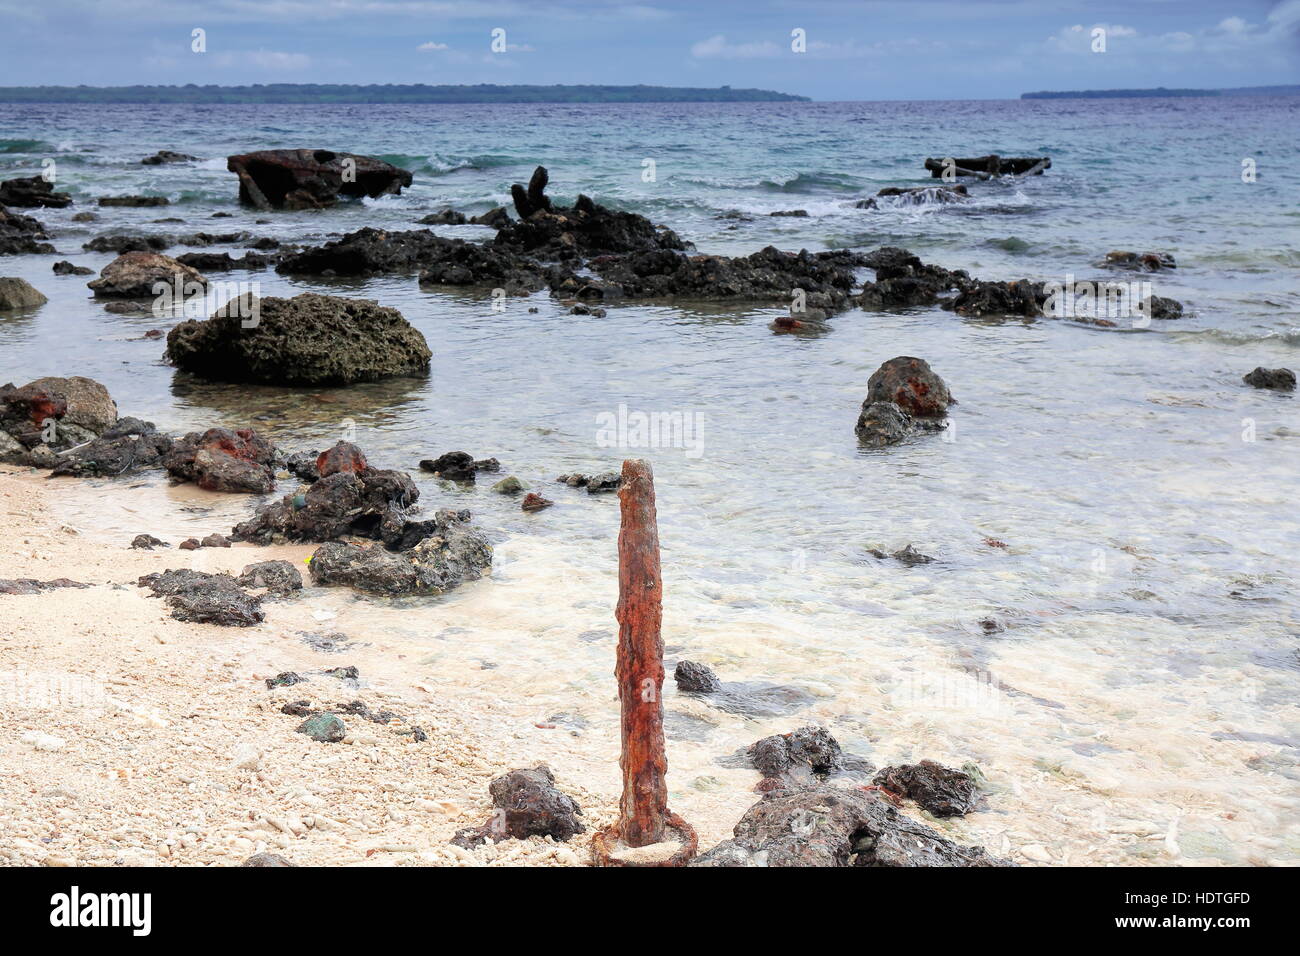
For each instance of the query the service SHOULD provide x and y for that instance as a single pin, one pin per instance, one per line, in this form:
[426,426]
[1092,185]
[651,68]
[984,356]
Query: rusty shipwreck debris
[647,832]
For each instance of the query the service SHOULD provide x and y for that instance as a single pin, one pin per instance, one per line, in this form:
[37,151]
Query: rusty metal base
[607,841]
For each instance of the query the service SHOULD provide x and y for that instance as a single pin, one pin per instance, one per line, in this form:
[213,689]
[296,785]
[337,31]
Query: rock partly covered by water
[797,757]
[528,804]
[915,196]
[459,466]
[1278,379]
[126,446]
[21,234]
[19,294]
[454,262]
[32,192]
[221,459]
[311,339]
[1140,261]
[133,275]
[1021,297]
[943,791]
[311,178]
[167,156]
[825,825]
[769,275]
[205,598]
[904,396]
[903,280]
[451,553]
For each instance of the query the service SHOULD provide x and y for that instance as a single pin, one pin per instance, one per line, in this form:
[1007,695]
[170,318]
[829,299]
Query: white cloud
[432,46]
[717,47]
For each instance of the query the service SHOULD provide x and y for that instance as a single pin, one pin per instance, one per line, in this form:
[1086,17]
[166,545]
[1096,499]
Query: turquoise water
[1146,664]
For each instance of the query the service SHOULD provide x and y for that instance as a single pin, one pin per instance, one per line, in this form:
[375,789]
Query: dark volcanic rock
[458,466]
[941,790]
[1021,297]
[51,417]
[147,542]
[133,275]
[692,676]
[279,577]
[1278,379]
[794,758]
[448,557]
[1140,261]
[460,263]
[31,193]
[769,275]
[32,586]
[284,679]
[167,156]
[834,826]
[912,385]
[915,196]
[584,229]
[882,423]
[444,217]
[369,504]
[600,484]
[21,234]
[311,339]
[121,244]
[223,460]
[528,804]
[127,446]
[66,268]
[134,201]
[311,178]
[205,598]
[1159,307]
[224,262]
[497,218]
[908,556]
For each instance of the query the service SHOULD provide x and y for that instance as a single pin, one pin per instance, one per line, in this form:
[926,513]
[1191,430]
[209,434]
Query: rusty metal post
[644,817]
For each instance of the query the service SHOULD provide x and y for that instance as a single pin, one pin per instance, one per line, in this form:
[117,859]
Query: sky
[919,49]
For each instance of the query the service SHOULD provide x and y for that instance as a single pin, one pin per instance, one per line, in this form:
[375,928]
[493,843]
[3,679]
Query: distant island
[388,93]
[1160,91]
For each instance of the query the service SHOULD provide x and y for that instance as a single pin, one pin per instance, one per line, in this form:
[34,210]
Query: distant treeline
[387,93]
[1160,91]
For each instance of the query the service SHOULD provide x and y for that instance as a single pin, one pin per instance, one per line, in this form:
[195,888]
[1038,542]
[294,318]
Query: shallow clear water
[1135,699]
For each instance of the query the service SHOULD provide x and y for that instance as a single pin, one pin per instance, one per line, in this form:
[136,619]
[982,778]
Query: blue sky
[922,49]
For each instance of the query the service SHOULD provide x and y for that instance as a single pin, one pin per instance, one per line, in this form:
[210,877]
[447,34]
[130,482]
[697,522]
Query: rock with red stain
[535,502]
[344,456]
[223,460]
[912,385]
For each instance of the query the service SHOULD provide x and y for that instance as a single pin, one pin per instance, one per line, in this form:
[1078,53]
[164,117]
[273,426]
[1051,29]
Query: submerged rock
[1140,261]
[134,201]
[220,459]
[133,275]
[882,423]
[121,244]
[535,502]
[908,556]
[1278,379]
[826,825]
[205,598]
[528,804]
[167,156]
[19,294]
[66,268]
[312,178]
[915,196]
[941,790]
[1159,307]
[311,339]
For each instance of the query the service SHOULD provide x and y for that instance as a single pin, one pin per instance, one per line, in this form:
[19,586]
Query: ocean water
[1109,630]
